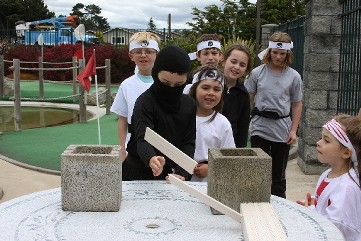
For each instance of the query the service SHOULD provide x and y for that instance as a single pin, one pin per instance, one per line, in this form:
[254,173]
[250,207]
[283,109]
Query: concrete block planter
[91,178]
[239,175]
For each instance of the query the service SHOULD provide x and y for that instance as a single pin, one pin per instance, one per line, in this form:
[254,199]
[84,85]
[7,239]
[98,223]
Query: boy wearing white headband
[143,49]
[275,90]
[338,194]
[209,53]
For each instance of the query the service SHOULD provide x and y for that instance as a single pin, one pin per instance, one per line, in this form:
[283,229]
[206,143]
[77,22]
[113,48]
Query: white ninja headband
[275,45]
[212,74]
[150,44]
[205,45]
[336,130]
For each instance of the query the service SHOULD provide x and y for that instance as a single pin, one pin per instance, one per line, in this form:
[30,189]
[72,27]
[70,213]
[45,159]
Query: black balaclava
[175,60]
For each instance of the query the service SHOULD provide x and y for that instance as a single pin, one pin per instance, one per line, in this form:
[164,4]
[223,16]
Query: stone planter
[91,178]
[239,175]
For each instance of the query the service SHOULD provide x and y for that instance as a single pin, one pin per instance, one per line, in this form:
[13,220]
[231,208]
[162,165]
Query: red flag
[79,54]
[85,76]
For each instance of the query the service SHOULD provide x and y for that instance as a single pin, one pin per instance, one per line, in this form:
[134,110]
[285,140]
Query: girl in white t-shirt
[213,129]
[338,194]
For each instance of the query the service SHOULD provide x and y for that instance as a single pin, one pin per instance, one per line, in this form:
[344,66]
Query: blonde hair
[143,36]
[279,37]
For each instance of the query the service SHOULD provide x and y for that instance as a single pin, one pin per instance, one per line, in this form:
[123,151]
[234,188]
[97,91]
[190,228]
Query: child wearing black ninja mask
[166,110]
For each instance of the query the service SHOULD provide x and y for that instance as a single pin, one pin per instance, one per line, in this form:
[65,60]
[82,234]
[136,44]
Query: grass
[42,147]
[30,89]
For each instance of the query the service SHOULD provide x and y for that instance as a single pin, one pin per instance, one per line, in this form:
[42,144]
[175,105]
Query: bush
[23,53]
[121,65]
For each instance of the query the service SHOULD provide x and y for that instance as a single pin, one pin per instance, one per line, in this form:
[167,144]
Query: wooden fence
[76,66]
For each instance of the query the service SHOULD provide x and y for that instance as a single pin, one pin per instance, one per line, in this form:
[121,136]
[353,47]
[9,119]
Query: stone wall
[320,82]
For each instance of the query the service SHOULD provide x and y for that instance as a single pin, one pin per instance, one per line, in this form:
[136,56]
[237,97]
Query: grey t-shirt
[273,92]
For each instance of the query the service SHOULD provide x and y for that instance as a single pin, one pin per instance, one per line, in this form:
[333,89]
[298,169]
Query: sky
[137,13]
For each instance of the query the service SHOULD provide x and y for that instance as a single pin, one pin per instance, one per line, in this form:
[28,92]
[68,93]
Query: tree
[27,10]
[36,10]
[237,18]
[89,15]
[151,25]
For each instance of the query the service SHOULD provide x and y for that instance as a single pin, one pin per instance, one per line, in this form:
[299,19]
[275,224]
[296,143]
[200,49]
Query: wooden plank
[205,198]
[170,150]
[260,222]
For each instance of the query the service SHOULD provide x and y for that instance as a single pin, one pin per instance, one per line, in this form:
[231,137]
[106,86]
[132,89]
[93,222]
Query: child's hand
[156,163]
[308,202]
[175,175]
[201,171]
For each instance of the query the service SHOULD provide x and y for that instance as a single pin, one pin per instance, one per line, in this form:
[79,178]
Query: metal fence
[295,29]
[349,84]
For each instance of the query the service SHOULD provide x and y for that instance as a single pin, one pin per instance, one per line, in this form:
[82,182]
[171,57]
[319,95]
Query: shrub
[59,54]
[26,53]
[4,46]
[121,65]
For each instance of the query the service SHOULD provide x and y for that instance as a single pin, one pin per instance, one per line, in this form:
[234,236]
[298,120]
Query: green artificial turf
[42,147]
[30,89]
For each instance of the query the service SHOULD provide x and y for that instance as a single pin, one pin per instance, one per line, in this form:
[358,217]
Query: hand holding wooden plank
[170,150]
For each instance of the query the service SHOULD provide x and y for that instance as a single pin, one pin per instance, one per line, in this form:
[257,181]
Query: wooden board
[205,198]
[170,150]
[260,222]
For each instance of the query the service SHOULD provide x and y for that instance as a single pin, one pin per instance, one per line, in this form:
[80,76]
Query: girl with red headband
[338,193]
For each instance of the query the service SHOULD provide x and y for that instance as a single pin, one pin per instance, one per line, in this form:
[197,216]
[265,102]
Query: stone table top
[149,210]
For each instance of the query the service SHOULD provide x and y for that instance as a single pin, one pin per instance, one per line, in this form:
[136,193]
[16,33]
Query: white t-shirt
[340,202]
[129,90]
[217,134]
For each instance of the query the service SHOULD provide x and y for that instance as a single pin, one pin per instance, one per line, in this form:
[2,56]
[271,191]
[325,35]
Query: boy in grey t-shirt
[275,90]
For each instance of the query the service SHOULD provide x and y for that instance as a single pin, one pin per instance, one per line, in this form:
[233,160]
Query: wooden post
[82,106]
[2,79]
[17,101]
[107,85]
[75,73]
[41,78]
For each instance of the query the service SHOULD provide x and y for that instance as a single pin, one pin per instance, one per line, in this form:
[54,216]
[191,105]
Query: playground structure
[51,31]
[78,93]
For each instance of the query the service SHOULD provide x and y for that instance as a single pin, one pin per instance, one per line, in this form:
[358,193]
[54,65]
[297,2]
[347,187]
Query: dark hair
[205,37]
[279,37]
[240,47]
[193,90]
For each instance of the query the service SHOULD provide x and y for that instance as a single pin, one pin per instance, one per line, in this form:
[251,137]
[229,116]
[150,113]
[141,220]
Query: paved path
[16,181]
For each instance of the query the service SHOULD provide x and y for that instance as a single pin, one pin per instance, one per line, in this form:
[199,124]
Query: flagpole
[97,100]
